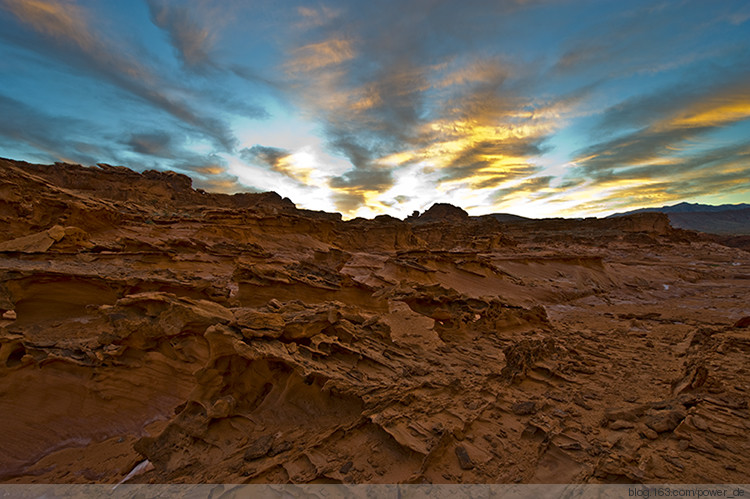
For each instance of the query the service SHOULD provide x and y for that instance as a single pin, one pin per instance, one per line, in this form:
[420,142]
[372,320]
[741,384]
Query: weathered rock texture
[239,339]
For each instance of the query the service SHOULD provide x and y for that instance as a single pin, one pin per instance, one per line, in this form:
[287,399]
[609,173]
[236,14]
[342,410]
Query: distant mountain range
[725,219]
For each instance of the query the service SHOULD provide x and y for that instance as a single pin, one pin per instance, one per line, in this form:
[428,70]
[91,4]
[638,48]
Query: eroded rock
[228,339]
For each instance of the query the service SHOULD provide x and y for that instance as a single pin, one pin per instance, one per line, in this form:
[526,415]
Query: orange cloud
[316,56]
[210,170]
[57,18]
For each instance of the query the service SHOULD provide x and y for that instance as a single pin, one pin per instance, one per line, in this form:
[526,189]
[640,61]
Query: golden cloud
[715,113]
[210,170]
[316,56]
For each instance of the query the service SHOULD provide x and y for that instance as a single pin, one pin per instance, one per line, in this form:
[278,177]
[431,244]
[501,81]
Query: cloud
[209,172]
[648,38]
[659,192]
[57,19]
[739,16]
[665,124]
[55,138]
[192,29]
[271,157]
[192,42]
[352,190]
[238,106]
[713,96]
[297,166]
[314,17]
[386,102]
[678,168]
[64,32]
[502,158]
[162,150]
[711,172]
[200,166]
[47,137]
[530,187]
[316,56]
[157,143]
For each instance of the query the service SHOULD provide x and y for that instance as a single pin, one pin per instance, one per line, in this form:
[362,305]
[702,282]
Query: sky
[532,107]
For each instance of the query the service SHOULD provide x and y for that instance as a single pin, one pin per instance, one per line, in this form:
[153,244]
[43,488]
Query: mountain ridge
[725,220]
[686,207]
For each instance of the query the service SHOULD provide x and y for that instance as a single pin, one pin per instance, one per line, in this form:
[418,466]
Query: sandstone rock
[222,408]
[524,408]
[35,243]
[694,377]
[521,357]
[56,233]
[259,448]
[259,324]
[443,212]
[157,313]
[309,322]
[646,432]
[621,425]
[665,421]
[464,461]
[699,422]
[280,447]
[228,329]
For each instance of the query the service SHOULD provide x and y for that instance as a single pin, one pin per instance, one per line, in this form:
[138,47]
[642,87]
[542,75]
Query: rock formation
[197,337]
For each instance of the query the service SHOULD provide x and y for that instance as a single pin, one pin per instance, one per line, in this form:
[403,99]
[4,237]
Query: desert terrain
[190,337]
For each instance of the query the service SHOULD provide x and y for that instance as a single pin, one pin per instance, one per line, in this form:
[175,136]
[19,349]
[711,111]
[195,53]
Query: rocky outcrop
[443,212]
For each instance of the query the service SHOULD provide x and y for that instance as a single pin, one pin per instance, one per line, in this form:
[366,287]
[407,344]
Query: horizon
[418,212]
[540,109]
